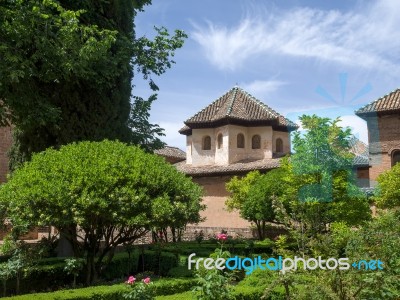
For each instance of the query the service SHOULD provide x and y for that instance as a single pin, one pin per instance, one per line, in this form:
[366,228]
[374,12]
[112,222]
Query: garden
[104,197]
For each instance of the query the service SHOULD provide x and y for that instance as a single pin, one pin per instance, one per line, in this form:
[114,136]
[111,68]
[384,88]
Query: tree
[388,195]
[320,181]
[66,72]
[253,196]
[98,195]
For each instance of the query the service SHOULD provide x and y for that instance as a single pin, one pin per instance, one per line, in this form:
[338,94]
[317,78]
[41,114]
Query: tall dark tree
[66,72]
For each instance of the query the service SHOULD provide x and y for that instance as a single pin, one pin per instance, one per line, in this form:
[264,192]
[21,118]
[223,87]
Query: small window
[240,140]
[207,143]
[279,145]
[256,142]
[395,157]
[219,141]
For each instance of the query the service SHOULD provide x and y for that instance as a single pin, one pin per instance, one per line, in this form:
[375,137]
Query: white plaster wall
[222,155]
[266,142]
[189,149]
[229,153]
[202,157]
[238,154]
[285,139]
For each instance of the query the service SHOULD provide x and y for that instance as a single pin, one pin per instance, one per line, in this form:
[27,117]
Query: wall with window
[384,142]
[231,143]
[284,137]
[201,154]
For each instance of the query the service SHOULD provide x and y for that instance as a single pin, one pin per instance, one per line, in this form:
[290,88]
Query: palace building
[383,121]
[233,135]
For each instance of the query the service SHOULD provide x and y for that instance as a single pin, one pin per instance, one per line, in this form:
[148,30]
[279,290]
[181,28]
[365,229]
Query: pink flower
[146,280]
[222,236]
[131,280]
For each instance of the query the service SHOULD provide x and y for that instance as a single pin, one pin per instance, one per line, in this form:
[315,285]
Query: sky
[298,56]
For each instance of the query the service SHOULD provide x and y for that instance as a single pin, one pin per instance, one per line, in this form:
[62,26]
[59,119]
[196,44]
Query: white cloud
[262,87]
[358,126]
[362,38]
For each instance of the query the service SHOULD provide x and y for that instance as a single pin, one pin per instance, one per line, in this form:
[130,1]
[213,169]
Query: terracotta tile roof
[387,103]
[235,168]
[357,147]
[174,152]
[237,107]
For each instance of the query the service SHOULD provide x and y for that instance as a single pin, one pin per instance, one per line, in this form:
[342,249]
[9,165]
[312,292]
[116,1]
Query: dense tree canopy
[93,191]
[321,178]
[388,195]
[253,196]
[66,72]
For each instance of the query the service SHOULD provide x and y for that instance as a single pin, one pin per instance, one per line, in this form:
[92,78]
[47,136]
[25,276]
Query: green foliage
[157,262]
[121,266]
[389,188]
[111,292]
[253,196]
[318,182]
[379,239]
[213,284]
[140,291]
[67,70]
[180,271]
[112,191]
[73,266]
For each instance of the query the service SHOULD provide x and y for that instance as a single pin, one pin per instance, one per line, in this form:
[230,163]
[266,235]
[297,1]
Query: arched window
[240,140]
[279,145]
[207,143]
[219,141]
[395,157]
[256,142]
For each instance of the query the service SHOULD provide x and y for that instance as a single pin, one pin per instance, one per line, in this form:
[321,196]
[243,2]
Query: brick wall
[384,137]
[5,144]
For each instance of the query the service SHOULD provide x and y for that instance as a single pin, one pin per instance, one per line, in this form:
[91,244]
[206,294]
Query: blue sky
[297,56]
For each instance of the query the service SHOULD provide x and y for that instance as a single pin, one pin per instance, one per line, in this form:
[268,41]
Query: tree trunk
[259,230]
[17,285]
[173,232]
[90,268]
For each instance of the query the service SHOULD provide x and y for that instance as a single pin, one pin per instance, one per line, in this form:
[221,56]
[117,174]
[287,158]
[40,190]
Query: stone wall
[5,144]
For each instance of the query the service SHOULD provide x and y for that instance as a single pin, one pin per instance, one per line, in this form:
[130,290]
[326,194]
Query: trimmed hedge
[158,262]
[112,292]
[180,296]
[121,266]
[49,274]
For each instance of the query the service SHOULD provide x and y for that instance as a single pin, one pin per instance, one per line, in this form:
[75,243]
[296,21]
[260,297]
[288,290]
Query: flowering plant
[141,290]
[222,237]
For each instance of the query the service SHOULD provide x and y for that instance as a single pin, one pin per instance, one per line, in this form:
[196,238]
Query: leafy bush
[157,262]
[121,266]
[180,271]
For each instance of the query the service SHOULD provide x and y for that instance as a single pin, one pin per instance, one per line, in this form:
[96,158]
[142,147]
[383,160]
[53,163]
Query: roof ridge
[376,100]
[230,107]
